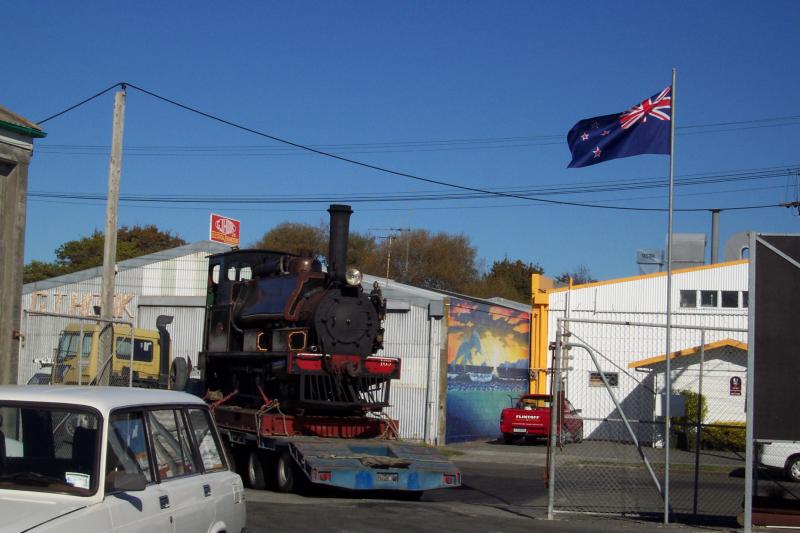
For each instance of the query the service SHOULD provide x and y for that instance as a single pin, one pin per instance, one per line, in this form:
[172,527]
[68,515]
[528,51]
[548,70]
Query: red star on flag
[597,152]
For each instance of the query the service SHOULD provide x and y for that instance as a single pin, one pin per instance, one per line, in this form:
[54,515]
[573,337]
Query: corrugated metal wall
[415,338]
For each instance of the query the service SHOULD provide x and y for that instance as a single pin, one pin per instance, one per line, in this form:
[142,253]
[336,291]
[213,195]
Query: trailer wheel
[285,479]
[255,471]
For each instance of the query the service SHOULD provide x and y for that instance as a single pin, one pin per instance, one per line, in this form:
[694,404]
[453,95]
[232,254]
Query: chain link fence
[614,376]
[61,349]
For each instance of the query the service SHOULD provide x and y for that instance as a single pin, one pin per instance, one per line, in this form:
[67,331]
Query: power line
[78,104]
[594,187]
[384,169]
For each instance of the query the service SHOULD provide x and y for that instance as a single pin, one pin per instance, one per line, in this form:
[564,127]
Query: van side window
[127,446]
[207,443]
[171,443]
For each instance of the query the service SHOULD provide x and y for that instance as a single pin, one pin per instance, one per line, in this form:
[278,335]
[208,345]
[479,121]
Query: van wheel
[508,438]
[793,468]
[578,437]
[178,374]
[254,475]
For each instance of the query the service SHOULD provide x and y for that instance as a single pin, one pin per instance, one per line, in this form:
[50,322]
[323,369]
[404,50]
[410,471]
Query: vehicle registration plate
[520,430]
[387,476]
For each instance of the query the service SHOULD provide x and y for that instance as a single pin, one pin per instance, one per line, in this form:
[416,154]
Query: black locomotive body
[281,331]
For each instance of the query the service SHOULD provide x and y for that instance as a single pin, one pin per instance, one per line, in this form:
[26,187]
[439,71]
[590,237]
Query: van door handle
[207,490]
[164,501]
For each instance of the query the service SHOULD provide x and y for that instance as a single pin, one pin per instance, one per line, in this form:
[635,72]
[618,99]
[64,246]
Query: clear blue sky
[407,73]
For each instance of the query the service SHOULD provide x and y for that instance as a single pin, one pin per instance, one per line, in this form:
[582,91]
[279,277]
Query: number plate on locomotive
[387,476]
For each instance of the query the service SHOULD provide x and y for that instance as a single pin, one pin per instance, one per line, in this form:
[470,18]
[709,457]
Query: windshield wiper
[31,477]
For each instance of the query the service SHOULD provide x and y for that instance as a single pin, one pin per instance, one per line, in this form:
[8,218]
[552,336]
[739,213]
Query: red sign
[736,386]
[224,230]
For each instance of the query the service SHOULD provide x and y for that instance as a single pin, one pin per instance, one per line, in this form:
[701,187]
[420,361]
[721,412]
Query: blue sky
[407,74]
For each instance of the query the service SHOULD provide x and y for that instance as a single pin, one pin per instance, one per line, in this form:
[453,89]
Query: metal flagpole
[668,377]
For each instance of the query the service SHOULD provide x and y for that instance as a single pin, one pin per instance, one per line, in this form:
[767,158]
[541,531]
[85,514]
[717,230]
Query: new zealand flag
[643,129]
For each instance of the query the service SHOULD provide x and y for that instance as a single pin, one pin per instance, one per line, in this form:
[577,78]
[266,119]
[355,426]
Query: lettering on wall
[81,304]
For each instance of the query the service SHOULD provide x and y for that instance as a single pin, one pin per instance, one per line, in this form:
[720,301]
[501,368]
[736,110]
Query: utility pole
[110,247]
[391,238]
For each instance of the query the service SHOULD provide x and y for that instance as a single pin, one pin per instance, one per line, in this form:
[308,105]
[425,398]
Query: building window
[596,380]
[730,298]
[745,299]
[688,298]
[708,298]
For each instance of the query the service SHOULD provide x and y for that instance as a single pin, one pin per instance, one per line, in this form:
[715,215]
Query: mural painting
[488,361]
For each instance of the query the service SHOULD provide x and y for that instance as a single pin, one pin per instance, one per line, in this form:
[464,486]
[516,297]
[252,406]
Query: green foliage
[509,279]
[296,238]
[724,436]
[685,427]
[87,252]
[579,275]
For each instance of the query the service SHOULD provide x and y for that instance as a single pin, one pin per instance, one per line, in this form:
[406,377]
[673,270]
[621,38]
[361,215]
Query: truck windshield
[48,449]
[68,345]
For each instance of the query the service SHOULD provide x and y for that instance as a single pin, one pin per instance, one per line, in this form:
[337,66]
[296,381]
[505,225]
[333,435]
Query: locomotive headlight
[353,277]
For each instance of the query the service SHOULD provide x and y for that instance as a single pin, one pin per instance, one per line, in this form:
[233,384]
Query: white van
[113,459]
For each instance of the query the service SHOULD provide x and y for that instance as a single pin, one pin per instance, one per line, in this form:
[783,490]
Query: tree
[508,279]
[579,275]
[435,261]
[87,252]
[296,238]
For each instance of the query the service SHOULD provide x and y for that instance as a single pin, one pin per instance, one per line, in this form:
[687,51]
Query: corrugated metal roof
[173,253]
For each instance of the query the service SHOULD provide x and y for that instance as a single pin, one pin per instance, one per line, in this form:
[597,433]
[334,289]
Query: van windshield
[49,448]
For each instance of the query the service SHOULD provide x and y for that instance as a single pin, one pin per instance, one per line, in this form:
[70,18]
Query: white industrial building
[622,322]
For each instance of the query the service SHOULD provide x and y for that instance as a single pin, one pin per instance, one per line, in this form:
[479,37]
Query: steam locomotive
[278,328]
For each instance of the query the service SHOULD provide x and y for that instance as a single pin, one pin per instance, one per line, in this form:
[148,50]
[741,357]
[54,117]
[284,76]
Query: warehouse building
[616,330]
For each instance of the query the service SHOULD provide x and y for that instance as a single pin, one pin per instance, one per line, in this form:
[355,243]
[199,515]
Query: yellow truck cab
[152,364]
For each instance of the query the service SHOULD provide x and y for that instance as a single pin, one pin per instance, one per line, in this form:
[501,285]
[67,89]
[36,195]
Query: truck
[530,418]
[292,373]
[150,364]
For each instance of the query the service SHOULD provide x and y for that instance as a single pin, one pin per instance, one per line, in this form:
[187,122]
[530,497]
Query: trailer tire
[285,472]
[254,472]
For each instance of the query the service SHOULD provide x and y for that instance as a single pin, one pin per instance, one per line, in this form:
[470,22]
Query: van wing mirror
[127,482]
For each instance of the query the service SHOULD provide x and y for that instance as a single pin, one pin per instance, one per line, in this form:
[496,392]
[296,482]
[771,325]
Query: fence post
[555,381]
[699,423]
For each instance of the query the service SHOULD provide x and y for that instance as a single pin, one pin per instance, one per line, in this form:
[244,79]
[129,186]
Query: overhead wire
[391,171]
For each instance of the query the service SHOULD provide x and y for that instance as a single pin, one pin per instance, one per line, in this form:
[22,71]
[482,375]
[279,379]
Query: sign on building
[224,230]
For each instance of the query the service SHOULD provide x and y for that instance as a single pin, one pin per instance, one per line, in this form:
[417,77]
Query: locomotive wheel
[254,474]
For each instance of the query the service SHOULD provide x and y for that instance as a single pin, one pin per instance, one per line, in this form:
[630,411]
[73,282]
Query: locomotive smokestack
[337,252]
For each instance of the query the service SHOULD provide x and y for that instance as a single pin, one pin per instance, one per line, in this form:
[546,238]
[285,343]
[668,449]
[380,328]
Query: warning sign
[736,386]
[224,230]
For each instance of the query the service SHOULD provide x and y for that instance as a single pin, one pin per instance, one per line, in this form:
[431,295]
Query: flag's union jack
[658,107]
[643,129]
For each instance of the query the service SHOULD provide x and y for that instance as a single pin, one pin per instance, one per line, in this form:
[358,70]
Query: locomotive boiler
[280,329]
